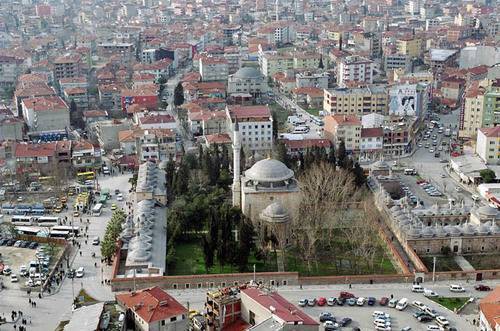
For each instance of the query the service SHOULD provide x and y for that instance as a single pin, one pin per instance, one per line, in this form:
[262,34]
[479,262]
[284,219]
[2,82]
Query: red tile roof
[152,304]
[240,112]
[156,119]
[344,119]
[24,150]
[490,307]
[48,103]
[218,138]
[491,132]
[283,309]
[372,132]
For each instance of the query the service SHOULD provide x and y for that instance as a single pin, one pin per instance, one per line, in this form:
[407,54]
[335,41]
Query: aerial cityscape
[261,165]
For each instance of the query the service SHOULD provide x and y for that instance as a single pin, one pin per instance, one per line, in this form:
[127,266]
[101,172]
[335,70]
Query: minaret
[277,10]
[236,166]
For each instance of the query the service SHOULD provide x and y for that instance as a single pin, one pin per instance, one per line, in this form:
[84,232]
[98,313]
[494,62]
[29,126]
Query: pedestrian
[80,253]
[392,296]
[15,327]
[29,300]
[34,303]
[30,320]
[350,286]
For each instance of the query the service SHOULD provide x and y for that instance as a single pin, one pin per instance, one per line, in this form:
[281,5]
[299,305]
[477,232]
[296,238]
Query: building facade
[356,101]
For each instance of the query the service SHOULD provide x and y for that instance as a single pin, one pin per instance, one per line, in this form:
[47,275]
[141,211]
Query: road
[51,309]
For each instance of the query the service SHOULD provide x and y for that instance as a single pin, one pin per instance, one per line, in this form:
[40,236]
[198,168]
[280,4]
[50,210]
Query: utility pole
[254,274]
[433,269]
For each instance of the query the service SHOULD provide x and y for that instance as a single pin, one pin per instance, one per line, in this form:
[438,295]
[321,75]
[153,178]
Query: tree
[181,179]
[342,155]
[320,65]
[169,175]
[76,116]
[281,154]
[359,175]
[113,230]
[178,95]
[323,192]
[487,175]
[275,125]
[245,244]
[331,158]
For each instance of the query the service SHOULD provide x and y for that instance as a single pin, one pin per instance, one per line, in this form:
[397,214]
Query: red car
[384,301]
[321,301]
[482,287]
[346,295]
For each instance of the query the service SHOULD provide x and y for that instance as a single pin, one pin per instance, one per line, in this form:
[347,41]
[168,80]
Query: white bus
[47,220]
[72,229]
[21,220]
[300,129]
[59,234]
[97,210]
[28,230]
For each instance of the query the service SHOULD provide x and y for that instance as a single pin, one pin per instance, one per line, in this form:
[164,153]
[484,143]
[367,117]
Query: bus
[47,220]
[21,220]
[59,234]
[27,230]
[84,176]
[72,229]
[97,210]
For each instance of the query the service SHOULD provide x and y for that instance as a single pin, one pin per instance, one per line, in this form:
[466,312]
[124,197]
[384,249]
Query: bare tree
[324,195]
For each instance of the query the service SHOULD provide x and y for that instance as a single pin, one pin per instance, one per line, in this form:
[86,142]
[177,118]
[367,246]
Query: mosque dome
[275,213]
[269,170]
[487,211]
[428,232]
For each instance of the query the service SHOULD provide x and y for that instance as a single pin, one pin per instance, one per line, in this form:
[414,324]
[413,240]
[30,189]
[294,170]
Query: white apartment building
[213,69]
[355,69]
[488,144]
[255,125]
[311,79]
[45,114]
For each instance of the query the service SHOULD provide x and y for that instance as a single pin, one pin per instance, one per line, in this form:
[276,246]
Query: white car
[456,288]
[361,301]
[417,288]
[119,197]
[442,321]
[381,321]
[431,150]
[380,314]
[432,327]
[383,328]
[430,293]
[7,271]
[80,272]
[303,303]
[329,325]
[418,305]
[13,278]
[331,301]
[23,271]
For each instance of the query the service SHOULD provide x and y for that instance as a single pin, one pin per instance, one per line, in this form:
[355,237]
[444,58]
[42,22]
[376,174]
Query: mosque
[266,192]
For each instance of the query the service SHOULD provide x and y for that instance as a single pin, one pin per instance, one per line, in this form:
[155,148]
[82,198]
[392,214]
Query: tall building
[354,69]
[488,144]
[67,66]
[345,128]
[356,101]
[255,125]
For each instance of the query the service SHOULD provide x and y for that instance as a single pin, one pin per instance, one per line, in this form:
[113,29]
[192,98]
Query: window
[163,322]
[174,286]
[199,285]
[186,286]
[173,319]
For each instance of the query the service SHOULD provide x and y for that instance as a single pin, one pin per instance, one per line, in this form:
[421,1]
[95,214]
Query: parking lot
[14,258]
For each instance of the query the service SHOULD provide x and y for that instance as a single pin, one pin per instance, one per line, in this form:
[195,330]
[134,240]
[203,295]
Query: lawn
[189,261]
[450,303]
[443,263]
[481,262]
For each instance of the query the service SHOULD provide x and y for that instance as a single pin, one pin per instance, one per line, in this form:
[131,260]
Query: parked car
[442,321]
[13,278]
[303,302]
[418,304]
[456,288]
[80,272]
[383,301]
[432,327]
[371,301]
[481,287]
[96,241]
[311,302]
[119,197]
[33,245]
[345,321]
[430,293]
[321,301]
[326,316]
[340,301]
[424,318]
[417,288]
[393,302]
[6,270]
[329,325]
[351,302]
[361,301]
[431,312]
[346,295]
[331,301]
[380,314]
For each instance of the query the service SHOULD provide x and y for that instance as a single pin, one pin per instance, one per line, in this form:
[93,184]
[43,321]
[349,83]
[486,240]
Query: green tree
[169,175]
[342,155]
[487,175]
[181,179]
[75,115]
[320,65]
[178,95]
[275,125]
[359,175]
[331,157]
[281,154]
[113,230]
[245,244]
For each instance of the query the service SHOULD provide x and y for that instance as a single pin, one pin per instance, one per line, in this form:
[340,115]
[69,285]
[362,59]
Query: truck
[447,132]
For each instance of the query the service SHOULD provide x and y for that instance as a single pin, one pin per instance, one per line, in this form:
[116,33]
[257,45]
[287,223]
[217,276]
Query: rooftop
[240,112]
[152,304]
[441,54]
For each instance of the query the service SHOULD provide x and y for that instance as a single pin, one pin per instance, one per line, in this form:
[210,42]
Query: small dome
[275,209]
[247,73]
[469,229]
[414,233]
[269,170]
[455,231]
[439,231]
[494,229]
[487,211]
[428,232]
[483,229]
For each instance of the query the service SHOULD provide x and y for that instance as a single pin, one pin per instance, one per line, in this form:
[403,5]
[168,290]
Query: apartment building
[255,125]
[397,61]
[411,46]
[84,155]
[68,66]
[471,118]
[213,69]
[306,61]
[45,114]
[312,79]
[371,143]
[345,128]
[356,101]
[354,69]
[488,144]
[272,63]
